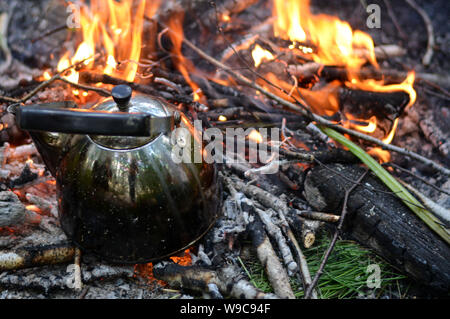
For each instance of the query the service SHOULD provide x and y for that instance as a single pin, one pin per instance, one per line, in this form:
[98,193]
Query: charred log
[380,221]
[36,256]
[365,104]
[25,177]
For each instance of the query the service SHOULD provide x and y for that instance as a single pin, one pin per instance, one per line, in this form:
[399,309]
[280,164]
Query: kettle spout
[51,147]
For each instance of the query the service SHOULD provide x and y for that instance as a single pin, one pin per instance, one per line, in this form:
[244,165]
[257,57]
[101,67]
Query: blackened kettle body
[124,198]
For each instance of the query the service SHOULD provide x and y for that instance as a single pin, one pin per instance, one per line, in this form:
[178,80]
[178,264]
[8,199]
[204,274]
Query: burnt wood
[365,104]
[380,221]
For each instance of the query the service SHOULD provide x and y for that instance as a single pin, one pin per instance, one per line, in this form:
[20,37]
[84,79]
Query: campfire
[309,124]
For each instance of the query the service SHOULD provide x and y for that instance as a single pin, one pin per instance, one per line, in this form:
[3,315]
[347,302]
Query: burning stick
[7,152]
[43,204]
[311,69]
[100,91]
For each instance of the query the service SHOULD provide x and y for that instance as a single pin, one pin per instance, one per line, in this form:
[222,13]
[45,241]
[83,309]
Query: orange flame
[146,270]
[183,65]
[115,29]
[335,43]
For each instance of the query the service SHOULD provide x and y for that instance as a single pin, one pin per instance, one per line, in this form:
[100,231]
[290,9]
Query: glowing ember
[259,54]
[255,136]
[146,270]
[34,208]
[46,76]
[183,260]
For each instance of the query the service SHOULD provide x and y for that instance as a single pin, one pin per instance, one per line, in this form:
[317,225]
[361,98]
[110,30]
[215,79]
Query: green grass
[345,275]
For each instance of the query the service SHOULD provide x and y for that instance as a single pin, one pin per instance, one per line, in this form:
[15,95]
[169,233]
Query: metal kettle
[120,194]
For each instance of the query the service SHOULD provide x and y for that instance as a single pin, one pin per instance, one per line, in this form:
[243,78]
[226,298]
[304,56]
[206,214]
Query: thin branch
[394,19]
[78,283]
[50,32]
[98,90]
[429,26]
[46,83]
[416,176]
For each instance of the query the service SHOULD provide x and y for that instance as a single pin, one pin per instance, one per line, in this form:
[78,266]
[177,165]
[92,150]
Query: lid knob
[122,95]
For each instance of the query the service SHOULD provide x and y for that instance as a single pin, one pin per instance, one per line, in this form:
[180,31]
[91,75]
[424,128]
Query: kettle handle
[80,121]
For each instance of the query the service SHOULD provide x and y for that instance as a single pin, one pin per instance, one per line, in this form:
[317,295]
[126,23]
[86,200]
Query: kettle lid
[122,100]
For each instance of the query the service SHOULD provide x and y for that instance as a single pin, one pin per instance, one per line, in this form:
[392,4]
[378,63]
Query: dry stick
[279,205]
[265,252]
[50,32]
[301,261]
[84,292]
[100,91]
[437,210]
[303,111]
[309,229]
[416,176]
[325,217]
[335,237]
[276,274]
[4,22]
[269,200]
[426,19]
[78,284]
[275,232]
[394,20]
